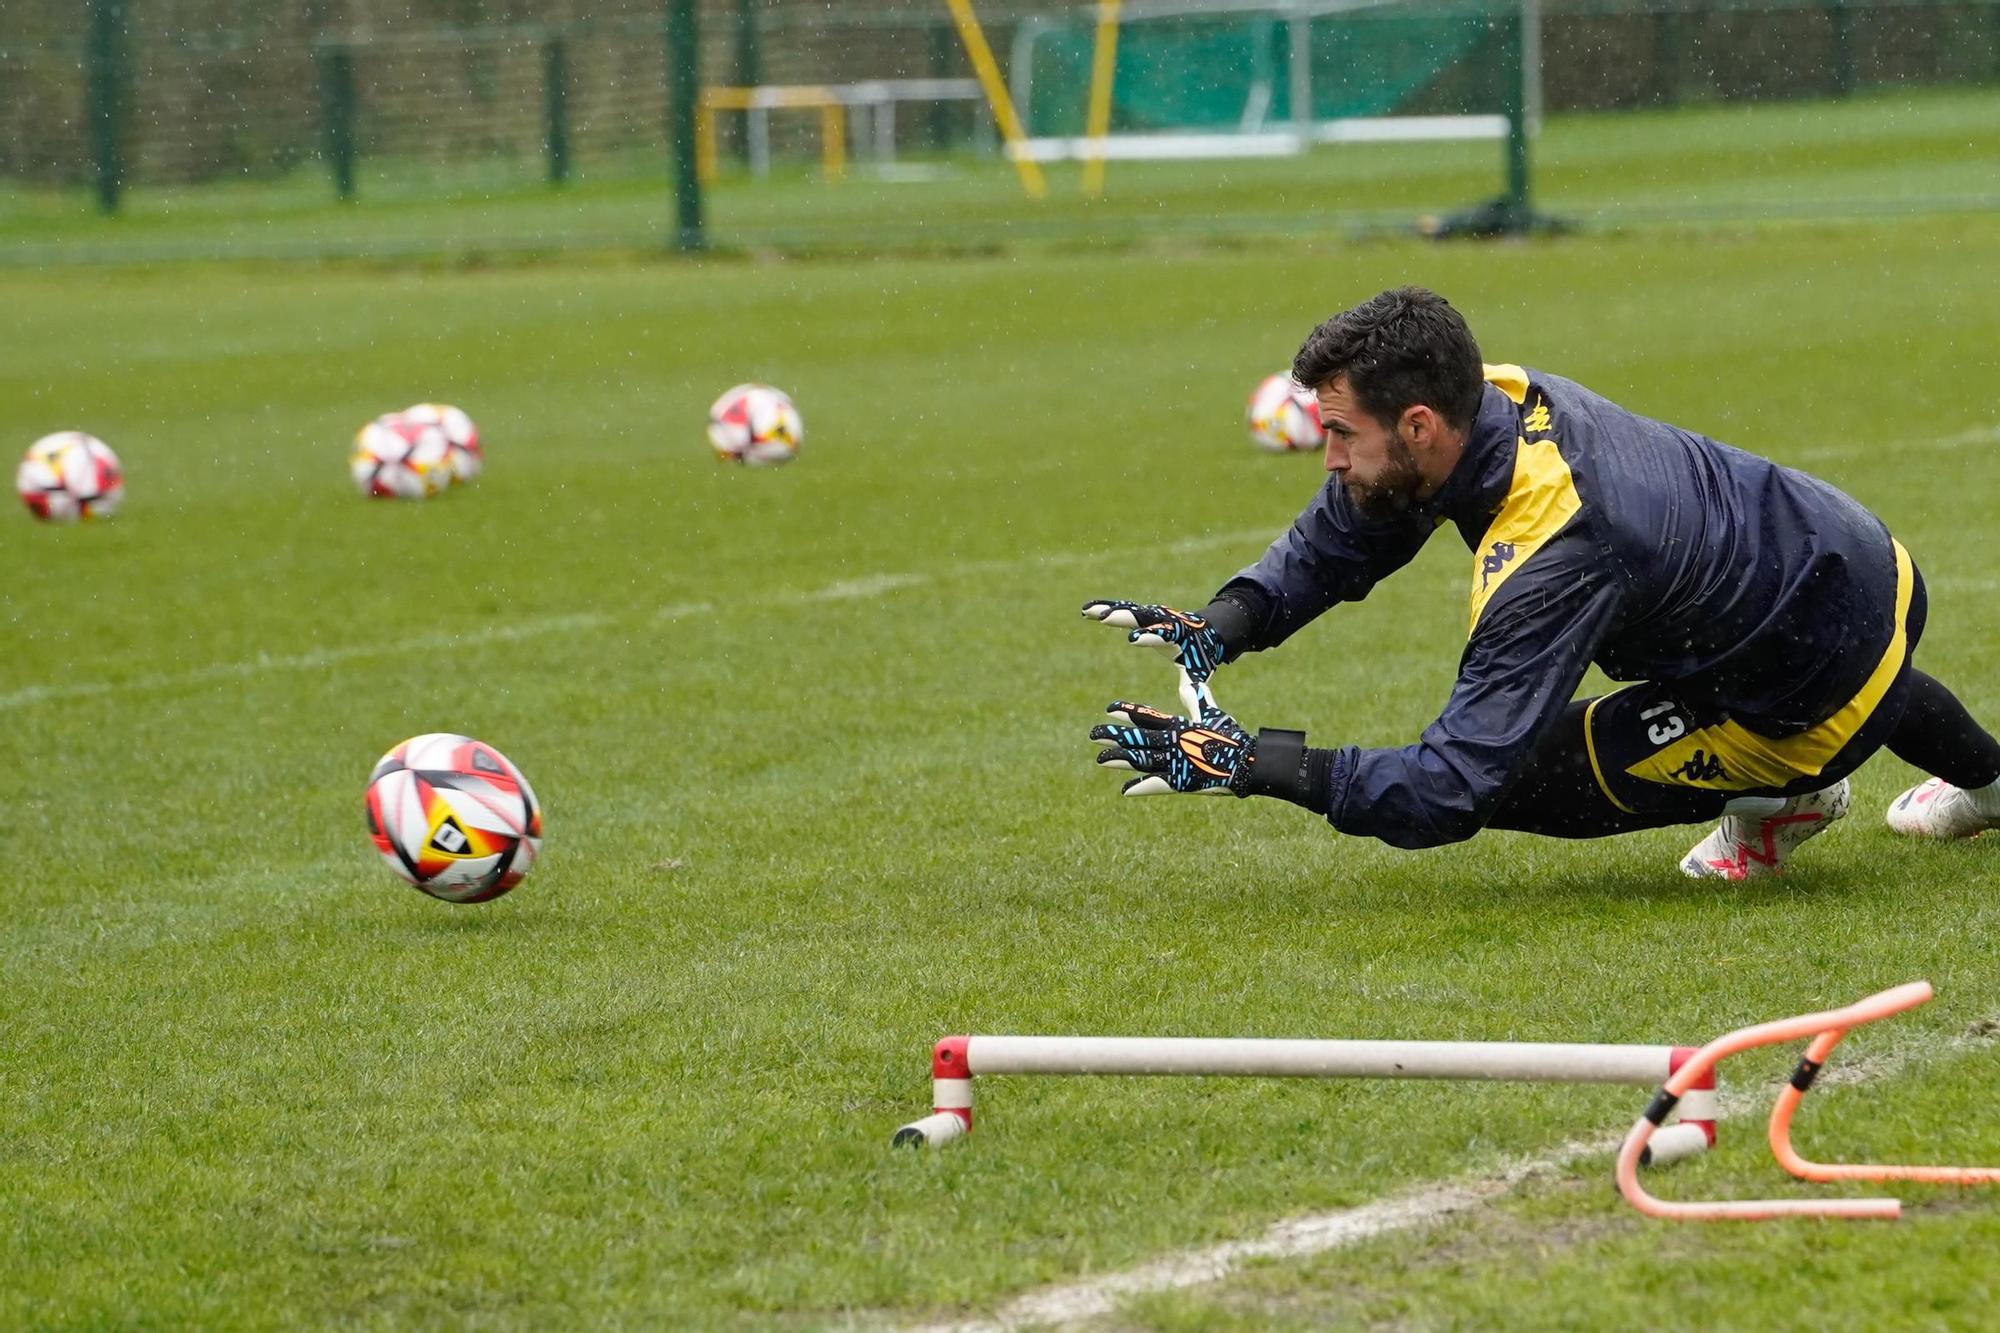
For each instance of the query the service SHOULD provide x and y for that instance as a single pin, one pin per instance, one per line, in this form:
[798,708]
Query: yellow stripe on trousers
[1749,760]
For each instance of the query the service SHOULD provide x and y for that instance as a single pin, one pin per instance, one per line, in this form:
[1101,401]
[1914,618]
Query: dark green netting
[1223,72]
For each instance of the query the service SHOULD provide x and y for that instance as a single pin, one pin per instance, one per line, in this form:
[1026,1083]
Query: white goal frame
[1253,139]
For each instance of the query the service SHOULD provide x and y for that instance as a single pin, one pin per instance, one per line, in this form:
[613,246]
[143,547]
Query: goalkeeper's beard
[1392,493]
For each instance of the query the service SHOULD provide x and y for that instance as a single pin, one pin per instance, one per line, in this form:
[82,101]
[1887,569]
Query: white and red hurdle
[1683,1075]
[955,1061]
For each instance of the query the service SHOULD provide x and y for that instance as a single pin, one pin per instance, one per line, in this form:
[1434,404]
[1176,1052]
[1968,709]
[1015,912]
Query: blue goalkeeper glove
[1189,639]
[1174,754]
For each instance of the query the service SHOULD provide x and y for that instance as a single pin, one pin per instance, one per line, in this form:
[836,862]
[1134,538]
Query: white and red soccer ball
[70,476]
[461,437]
[453,817]
[415,453]
[755,424]
[395,459]
[1283,417]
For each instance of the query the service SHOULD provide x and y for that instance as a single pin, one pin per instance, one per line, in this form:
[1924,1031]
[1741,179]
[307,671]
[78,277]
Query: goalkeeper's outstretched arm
[1332,553]
[1528,652]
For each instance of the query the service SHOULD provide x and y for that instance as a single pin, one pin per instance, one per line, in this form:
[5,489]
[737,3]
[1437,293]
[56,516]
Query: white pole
[1550,1062]
[1531,64]
[943,1127]
[1673,1143]
[957,1061]
[1300,29]
[760,141]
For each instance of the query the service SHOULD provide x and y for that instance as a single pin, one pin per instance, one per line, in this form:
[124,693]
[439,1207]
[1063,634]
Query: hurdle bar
[1825,1029]
[955,1061]
[836,103]
[762,100]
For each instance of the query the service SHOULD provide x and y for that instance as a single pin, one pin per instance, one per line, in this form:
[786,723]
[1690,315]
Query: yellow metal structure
[775,97]
[988,71]
[1103,70]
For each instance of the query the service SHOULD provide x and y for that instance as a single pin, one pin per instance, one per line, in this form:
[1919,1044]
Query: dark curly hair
[1400,349]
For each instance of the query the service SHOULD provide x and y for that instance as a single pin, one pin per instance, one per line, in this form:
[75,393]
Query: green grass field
[1892,152]
[811,743]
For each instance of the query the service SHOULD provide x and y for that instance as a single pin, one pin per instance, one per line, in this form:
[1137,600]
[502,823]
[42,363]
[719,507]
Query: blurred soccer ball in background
[1283,417]
[70,476]
[755,424]
[453,818]
[461,437]
[400,457]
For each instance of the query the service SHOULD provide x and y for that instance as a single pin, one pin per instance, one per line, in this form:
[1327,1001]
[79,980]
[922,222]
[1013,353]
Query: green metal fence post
[943,49]
[107,84]
[683,37]
[1842,39]
[749,45]
[555,80]
[337,108]
[749,57]
[1515,104]
[1666,90]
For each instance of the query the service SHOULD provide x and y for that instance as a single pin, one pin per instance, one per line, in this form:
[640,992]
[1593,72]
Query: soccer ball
[755,424]
[453,817]
[397,457]
[1283,417]
[461,437]
[70,476]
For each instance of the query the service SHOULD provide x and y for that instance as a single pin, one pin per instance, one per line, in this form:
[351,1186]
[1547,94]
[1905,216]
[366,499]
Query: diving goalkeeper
[1765,620]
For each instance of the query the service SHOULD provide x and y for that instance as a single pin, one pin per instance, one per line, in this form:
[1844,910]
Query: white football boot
[1936,809]
[1755,839]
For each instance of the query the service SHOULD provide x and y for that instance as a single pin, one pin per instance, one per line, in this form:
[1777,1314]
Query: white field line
[1074,1302]
[1963,583]
[323,657]
[1864,448]
[873,585]
[1070,1303]
[866,587]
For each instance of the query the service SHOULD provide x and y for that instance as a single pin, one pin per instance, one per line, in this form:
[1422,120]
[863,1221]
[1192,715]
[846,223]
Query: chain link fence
[548,101]
[197,103]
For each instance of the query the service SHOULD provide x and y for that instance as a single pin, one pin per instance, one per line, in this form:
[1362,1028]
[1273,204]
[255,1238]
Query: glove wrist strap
[1236,620]
[1276,767]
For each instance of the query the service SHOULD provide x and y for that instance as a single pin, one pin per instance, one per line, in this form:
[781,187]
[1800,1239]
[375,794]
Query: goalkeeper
[1765,620]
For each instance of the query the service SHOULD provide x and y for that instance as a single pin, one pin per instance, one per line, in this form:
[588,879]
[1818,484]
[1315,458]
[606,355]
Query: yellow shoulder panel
[1510,380]
[1540,501]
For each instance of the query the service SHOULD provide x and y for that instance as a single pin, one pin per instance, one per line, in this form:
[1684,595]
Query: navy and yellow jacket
[1597,536]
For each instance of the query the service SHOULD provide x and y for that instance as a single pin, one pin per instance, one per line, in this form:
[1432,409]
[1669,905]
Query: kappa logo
[1702,767]
[1537,420]
[1493,563]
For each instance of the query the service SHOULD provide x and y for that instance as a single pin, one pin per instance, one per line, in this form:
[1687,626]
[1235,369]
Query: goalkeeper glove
[1194,644]
[1213,753]
[1172,753]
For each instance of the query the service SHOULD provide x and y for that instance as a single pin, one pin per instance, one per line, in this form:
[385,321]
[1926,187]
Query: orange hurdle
[1826,1030]
[1788,1157]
